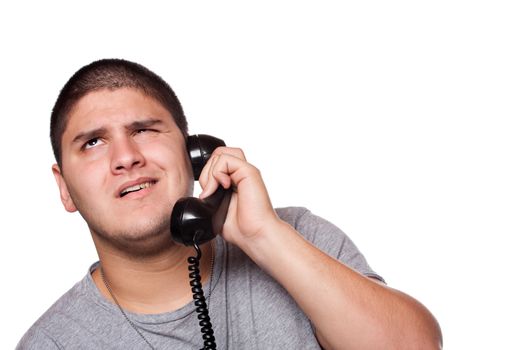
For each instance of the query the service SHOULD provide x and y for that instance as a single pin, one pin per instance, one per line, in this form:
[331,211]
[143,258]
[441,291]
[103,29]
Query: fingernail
[204,193]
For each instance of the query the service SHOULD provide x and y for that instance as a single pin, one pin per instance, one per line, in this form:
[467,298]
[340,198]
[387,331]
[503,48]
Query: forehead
[113,107]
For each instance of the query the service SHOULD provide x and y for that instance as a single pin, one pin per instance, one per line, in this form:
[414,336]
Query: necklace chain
[131,323]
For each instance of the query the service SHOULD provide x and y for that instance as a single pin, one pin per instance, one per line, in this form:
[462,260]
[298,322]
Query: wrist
[268,241]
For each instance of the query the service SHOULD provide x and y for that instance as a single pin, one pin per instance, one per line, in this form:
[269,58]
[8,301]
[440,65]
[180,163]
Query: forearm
[347,309]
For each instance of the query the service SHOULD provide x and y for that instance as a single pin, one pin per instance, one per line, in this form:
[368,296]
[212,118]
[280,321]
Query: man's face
[124,165]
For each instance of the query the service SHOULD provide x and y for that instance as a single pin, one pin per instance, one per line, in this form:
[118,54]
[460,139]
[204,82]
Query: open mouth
[136,188]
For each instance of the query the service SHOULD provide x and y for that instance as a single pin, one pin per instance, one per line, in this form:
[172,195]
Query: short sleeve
[328,238]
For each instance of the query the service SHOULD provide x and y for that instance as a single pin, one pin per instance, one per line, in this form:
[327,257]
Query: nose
[125,156]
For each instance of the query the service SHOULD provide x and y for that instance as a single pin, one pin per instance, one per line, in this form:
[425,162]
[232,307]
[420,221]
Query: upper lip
[138,181]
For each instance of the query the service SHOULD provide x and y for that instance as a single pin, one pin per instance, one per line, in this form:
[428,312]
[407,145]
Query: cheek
[174,163]
[87,182]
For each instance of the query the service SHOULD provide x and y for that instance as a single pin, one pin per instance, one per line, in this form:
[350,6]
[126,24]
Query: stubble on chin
[140,241]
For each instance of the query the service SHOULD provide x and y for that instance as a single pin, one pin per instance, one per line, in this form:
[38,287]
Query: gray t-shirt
[248,308]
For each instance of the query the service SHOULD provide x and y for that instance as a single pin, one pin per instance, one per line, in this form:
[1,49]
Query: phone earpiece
[196,221]
[200,148]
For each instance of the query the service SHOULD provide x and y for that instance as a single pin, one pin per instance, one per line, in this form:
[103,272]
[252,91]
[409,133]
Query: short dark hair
[111,74]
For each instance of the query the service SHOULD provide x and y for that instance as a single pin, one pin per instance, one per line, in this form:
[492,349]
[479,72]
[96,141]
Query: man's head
[119,136]
[111,74]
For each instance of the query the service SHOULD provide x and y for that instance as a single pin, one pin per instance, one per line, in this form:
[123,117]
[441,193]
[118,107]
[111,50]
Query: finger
[207,182]
[217,173]
[221,170]
[235,152]
[232,151]
[207,170]
[228,169]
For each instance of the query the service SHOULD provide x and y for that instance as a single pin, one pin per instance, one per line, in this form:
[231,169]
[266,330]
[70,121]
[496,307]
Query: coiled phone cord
[200,300]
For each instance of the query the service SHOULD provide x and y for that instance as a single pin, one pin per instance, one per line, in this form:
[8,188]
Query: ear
[64,191]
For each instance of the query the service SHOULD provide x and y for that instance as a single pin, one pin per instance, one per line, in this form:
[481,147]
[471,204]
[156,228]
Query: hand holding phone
[193,220]
[251,211]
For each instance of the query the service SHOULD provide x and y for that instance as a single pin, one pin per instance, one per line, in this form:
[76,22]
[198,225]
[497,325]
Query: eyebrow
[98,132]
[88,135]
[143,124]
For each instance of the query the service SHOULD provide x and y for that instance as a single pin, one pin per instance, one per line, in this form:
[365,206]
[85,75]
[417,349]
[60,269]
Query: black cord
[200,300]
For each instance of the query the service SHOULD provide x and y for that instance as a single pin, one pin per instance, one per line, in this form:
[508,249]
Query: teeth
[136,188]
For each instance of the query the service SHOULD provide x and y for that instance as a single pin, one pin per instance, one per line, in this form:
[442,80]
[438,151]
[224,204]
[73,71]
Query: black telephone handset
[195,221]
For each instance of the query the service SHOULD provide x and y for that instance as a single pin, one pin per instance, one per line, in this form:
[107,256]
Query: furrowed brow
[90,134]
[143,124]
[99,132]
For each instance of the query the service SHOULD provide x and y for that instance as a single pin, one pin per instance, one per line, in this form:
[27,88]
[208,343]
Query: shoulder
[291,215]
[312,227]
[43,334]
[327,237]
[37,338]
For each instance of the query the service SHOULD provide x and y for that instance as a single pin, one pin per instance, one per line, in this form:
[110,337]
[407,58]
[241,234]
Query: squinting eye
[147,132]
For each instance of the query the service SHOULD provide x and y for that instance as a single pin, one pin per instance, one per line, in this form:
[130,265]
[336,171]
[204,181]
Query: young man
[279,278]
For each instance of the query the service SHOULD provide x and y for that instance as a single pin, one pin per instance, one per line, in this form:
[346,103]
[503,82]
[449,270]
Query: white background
[400,121]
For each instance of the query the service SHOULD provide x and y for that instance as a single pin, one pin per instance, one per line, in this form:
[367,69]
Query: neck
[150,285]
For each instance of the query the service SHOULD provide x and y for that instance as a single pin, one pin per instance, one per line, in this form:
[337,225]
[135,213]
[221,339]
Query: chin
[142,239]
